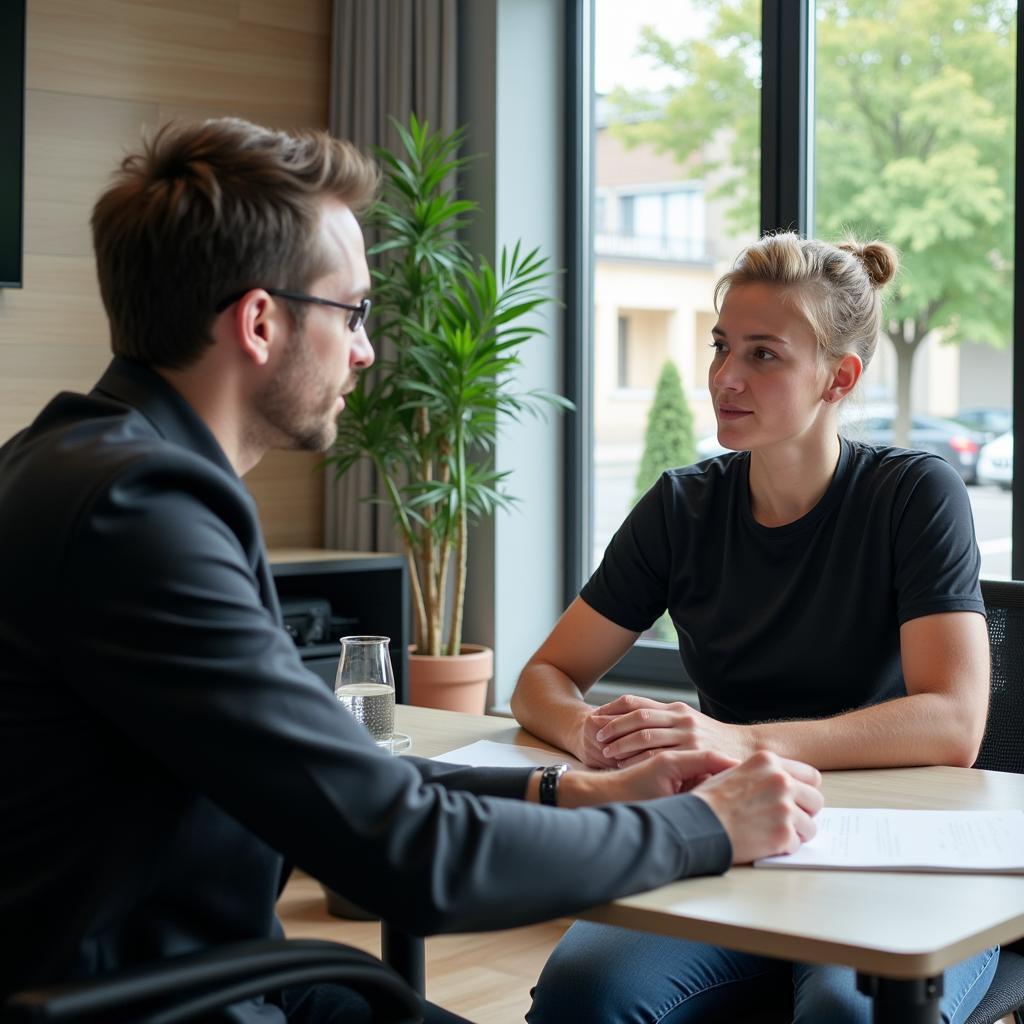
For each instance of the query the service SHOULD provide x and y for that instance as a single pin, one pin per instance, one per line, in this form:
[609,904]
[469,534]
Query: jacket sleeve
[172,646]
[506,782]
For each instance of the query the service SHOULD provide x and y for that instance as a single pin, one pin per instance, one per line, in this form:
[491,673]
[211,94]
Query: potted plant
[449,329]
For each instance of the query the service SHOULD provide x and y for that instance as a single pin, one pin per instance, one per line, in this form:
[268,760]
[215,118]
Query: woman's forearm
[920,729]
[549,704]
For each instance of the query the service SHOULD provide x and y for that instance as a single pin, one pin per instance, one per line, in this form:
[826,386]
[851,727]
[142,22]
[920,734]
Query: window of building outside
[623,369]
[911,139]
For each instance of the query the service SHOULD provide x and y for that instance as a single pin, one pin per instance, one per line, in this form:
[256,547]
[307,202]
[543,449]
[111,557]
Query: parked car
[988,420]
[957,444]
[995,463]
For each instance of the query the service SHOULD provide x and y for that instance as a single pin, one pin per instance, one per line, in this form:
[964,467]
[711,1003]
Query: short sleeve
[935,553]
[630,586]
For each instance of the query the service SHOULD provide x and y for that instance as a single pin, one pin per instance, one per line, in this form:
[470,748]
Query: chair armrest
[188,986]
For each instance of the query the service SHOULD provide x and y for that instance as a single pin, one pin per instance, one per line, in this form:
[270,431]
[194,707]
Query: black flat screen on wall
[12,139]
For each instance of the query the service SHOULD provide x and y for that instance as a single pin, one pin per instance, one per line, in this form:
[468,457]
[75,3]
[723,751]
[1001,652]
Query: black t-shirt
[802,620]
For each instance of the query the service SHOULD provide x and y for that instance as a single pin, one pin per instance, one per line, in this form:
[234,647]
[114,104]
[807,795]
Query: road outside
[992,524]
[613,492]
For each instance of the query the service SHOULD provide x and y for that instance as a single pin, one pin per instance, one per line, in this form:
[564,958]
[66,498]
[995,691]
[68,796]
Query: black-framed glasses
[355,321]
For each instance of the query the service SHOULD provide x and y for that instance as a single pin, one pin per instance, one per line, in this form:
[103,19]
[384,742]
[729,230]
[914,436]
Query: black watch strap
[548,793]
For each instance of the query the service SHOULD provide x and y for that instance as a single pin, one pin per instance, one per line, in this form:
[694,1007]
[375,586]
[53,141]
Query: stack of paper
[990,842]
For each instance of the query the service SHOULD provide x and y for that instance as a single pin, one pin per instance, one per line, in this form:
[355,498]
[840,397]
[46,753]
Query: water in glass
[365,685]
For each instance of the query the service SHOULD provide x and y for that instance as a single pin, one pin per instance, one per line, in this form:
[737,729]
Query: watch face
[549,777]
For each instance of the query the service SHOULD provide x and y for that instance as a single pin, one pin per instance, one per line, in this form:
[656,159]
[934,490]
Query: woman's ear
[844,377]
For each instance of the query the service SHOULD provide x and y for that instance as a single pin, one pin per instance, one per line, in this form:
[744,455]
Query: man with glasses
[163,751]
[355,321]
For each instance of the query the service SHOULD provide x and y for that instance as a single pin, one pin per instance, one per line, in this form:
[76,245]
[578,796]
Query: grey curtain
[388,58]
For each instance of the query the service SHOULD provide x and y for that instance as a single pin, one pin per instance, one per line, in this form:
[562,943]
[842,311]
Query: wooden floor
[485,978]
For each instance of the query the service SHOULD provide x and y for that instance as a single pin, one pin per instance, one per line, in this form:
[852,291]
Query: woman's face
[766,380]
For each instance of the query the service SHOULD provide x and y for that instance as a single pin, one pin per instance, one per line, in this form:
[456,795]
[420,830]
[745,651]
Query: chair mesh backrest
[1002,749]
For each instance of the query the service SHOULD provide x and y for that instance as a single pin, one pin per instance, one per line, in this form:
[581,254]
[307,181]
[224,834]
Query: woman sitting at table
[825,595]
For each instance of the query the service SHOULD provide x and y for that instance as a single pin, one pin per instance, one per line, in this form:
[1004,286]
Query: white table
[899,931]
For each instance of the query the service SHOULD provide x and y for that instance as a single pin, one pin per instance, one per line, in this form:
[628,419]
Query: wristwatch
[549,776]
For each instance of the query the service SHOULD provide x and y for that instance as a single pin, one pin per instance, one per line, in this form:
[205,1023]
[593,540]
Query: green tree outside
[668,440]
[913,137]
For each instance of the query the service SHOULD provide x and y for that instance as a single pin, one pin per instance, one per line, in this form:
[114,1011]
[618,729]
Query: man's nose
[362,350]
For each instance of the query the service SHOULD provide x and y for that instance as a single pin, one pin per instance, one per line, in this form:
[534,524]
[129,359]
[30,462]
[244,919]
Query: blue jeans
[603,975]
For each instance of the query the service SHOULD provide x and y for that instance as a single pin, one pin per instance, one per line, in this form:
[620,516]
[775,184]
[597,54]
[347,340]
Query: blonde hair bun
[881,261]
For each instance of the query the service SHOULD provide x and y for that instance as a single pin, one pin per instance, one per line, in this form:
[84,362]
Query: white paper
[874,839]
[488,754]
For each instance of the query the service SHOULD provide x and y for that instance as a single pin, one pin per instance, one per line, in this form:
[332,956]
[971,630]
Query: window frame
[1017,342]
[787,119]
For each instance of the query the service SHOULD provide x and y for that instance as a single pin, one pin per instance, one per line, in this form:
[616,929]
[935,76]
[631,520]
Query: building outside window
[665,222]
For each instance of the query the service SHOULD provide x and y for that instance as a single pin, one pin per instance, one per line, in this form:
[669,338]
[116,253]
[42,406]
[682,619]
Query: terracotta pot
[451,682]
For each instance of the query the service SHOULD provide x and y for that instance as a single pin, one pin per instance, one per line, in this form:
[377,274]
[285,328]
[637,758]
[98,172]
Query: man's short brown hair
[208,210]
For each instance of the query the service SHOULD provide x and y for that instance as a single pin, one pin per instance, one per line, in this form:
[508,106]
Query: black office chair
[1002,751]
[187,987]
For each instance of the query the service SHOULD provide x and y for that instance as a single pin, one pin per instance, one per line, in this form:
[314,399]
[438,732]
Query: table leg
[902,1000]
[404,952]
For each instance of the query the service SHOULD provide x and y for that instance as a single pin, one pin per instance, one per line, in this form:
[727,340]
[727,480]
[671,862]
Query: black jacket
[162,748]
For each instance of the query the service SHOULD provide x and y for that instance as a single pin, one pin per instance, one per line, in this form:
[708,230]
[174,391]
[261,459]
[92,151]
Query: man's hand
[766,805]
[636,727]
[666,773]
[662,774]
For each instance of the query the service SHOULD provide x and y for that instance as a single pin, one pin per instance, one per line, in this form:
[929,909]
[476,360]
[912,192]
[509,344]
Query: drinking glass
[365,686]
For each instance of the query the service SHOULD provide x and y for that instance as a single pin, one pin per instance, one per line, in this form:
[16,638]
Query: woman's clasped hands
[630,729]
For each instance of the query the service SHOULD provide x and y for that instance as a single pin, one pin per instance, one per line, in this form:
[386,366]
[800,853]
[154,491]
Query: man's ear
[257,324]
[844,377]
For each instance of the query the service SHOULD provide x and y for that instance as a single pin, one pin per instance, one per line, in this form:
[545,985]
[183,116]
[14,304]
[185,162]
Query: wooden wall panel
[99,73]
[276,483]
[187,54]
[73,144]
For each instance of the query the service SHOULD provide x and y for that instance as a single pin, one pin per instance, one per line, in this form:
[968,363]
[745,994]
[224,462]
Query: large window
[913,142]
[675,182]
[714,120]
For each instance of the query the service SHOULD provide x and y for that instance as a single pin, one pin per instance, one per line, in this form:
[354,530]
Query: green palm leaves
[450,330]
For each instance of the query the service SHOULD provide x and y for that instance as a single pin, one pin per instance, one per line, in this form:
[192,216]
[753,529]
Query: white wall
[511,95]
